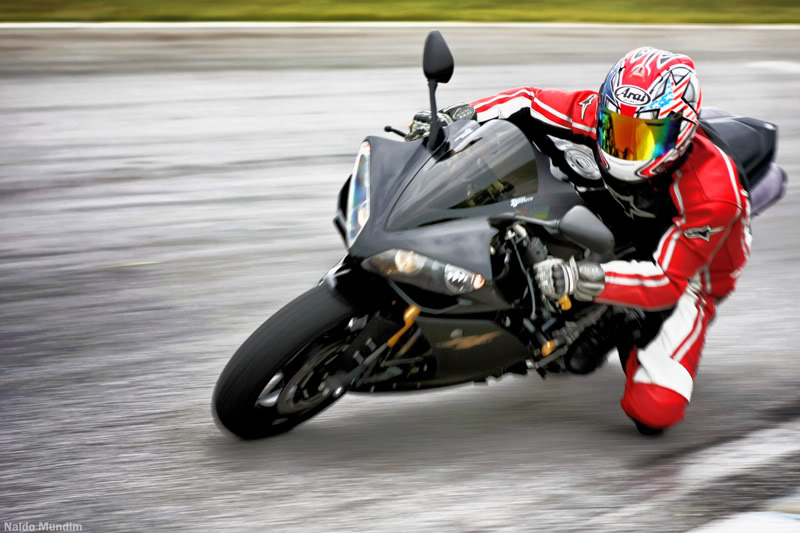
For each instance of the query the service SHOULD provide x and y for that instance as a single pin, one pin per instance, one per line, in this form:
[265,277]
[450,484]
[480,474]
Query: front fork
[356,364]
[366,293]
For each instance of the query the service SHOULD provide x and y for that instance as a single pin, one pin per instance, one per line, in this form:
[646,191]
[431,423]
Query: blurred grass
[623,11]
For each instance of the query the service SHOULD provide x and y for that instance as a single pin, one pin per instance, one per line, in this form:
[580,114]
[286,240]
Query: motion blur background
[163,190]
[712,11]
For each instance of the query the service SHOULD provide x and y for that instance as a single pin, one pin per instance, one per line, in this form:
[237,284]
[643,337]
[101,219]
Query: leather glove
[557,278]
[421,123]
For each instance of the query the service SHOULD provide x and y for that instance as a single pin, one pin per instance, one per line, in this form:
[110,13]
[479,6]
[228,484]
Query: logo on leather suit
[704,233]
[629,205]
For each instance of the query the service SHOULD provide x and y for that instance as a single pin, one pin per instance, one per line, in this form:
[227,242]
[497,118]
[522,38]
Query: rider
[686,208]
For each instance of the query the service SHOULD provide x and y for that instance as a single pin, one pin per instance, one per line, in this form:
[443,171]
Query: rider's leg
[660,376]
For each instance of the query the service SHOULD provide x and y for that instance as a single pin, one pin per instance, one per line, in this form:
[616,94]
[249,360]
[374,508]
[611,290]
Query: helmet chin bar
[672,160]
[624,170]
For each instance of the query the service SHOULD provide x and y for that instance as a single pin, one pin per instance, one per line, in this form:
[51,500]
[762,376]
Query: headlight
[358,196]
[415,269]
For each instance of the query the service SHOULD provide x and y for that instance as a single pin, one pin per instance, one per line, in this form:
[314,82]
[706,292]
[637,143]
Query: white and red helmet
[647,115]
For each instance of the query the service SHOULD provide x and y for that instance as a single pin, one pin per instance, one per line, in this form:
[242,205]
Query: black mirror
[437,61]
[581,226]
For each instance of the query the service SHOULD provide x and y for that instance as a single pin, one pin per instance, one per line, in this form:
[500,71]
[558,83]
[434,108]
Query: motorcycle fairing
[438,205]
[461,350]
[485,170]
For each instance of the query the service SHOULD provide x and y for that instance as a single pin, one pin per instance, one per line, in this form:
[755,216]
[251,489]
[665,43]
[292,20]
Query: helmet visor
[636,139]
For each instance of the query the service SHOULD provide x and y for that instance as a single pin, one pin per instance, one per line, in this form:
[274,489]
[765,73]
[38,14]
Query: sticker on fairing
[521,200]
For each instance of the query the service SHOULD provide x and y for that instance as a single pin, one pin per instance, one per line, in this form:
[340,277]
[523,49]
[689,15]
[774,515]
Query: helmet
[647,115]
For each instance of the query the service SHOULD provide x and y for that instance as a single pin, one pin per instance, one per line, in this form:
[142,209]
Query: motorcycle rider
[686,211]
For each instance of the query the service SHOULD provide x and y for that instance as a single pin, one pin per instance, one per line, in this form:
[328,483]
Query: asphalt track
[162,192]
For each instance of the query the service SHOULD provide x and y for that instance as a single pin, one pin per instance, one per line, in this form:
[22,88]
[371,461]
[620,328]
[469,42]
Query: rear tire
[284,345]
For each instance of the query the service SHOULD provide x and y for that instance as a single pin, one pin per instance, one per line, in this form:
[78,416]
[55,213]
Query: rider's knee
[653,405]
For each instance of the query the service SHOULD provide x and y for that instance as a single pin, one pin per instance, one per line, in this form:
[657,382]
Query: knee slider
[653,405]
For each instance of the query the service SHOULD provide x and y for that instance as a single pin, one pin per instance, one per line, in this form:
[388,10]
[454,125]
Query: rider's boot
[590,351]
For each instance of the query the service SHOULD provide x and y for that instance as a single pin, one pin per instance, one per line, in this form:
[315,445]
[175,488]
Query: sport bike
[436,286]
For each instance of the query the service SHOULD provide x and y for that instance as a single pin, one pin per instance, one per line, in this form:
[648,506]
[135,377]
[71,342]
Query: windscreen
[486,165]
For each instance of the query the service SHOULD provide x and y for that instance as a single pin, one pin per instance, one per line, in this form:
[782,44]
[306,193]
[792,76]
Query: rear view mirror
[437,61]
[581,226]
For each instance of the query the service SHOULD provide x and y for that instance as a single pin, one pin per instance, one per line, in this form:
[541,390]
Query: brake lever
[389,129]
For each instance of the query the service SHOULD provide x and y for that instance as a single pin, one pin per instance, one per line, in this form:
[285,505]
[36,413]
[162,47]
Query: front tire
[304,336]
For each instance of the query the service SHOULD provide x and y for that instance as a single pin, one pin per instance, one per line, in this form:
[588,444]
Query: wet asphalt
[162,192]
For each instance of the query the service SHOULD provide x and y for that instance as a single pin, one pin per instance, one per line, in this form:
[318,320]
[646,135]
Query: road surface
[164,191]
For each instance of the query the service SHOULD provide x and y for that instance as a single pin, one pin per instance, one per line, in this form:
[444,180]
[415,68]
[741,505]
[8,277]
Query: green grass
[623,11]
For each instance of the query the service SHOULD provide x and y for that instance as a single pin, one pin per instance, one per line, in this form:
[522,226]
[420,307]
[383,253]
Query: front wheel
[277,378]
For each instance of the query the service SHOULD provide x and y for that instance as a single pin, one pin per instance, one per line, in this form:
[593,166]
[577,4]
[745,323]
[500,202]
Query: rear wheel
[276,379]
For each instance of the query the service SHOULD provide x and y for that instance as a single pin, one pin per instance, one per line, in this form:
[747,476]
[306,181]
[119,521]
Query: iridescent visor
[636,139]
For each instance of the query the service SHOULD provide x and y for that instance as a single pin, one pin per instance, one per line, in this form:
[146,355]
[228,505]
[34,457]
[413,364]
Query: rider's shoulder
[709,175]
[584,109]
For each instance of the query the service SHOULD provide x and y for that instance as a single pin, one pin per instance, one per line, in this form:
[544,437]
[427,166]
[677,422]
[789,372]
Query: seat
[749,141]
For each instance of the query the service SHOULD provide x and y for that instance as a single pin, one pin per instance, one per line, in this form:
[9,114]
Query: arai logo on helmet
[632,95]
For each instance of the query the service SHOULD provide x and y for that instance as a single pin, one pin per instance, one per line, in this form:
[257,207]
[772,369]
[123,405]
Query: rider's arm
[684,250]
[572,112]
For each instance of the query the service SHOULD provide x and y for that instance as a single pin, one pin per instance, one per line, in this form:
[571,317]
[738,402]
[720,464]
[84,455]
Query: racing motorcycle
[436,288]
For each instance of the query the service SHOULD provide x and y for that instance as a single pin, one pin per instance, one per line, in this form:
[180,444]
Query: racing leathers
[697,250]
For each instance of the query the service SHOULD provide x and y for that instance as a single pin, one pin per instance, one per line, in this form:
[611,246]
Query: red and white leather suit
[696,263]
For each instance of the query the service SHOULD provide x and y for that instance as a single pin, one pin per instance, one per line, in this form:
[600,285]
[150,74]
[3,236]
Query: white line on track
[712,464]
[749,522]
[787,67]
[333,25]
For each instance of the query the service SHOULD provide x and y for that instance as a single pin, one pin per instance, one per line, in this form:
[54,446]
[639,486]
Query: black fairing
[483,171]
[437,205]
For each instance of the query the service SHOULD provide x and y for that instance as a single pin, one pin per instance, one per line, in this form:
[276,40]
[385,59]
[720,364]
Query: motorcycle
[436,287]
